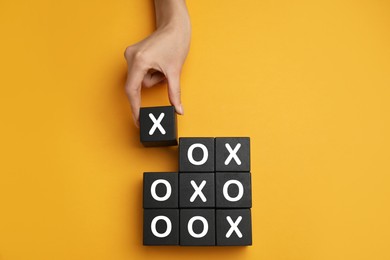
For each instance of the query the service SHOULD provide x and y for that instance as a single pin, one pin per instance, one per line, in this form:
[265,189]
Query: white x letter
[233,154]
[156,123]
[234,226]
[198,191]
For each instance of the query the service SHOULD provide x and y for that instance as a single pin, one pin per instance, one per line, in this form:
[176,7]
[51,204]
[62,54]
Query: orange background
[308,81]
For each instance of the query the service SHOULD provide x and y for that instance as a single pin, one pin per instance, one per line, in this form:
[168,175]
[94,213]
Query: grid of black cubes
[208,203]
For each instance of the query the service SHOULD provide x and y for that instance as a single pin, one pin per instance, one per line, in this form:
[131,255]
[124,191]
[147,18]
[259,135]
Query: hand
[160,56]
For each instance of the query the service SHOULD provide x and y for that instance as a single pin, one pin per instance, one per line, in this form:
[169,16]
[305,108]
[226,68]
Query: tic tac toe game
[282,152]
[208,201]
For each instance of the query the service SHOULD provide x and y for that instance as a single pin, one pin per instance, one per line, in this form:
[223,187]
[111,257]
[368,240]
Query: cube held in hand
[158,126]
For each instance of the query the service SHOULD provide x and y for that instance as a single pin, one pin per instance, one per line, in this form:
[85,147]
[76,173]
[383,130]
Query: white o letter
[240,190]
[169,226]
[205,227]
[205,154]
[153,190]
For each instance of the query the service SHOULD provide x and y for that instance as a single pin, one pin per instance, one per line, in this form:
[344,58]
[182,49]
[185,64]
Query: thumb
[174,92]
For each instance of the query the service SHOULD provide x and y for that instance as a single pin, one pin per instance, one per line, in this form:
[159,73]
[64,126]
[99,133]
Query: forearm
[172,13]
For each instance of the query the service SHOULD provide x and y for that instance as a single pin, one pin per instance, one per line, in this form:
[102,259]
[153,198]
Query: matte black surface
[168,123]
[244,227]
[187,190]
[161,227]
[172,201]
[217,209]
[222,154]
[186,239]
[197,154]
[244,178]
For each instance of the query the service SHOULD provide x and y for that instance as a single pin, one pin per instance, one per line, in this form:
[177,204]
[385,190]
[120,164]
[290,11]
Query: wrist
[172,14]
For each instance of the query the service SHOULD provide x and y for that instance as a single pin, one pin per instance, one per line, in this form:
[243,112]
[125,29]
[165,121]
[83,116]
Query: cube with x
[158,126]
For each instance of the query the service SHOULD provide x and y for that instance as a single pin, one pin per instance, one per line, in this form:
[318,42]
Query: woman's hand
[160,56]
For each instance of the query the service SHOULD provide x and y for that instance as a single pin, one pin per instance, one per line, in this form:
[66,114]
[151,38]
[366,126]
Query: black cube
[197,227]
[196,154]
[232,154]
[161,190]
[234,227]
[161,227]
[158,126]
[196,190]
[233,190]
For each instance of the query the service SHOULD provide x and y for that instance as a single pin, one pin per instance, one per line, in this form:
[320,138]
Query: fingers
[152,78]
[174,92]
[133,90]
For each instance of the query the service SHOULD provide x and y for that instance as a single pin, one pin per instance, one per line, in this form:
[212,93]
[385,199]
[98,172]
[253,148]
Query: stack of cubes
[208,202]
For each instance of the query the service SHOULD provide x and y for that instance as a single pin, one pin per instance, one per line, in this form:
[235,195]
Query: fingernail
[136,122]
[181,110]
